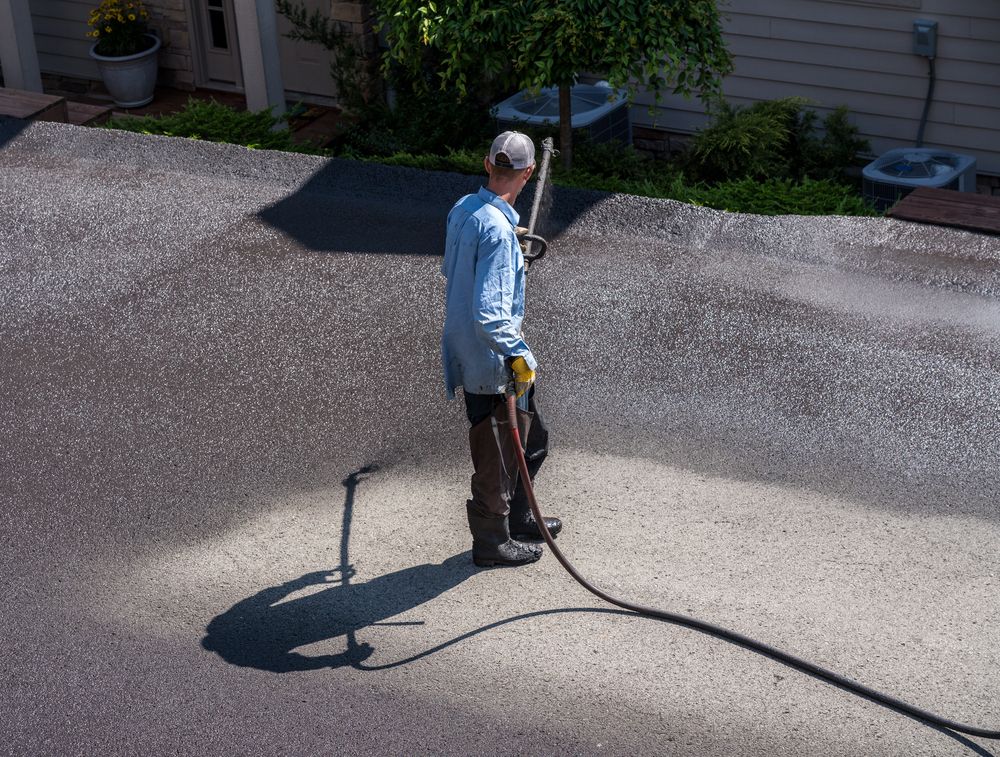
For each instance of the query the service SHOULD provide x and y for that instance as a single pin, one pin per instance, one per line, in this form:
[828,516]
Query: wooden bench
[946,207]
[32,106]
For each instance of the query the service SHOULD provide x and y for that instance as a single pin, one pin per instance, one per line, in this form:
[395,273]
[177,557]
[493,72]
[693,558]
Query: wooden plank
[945,207]
[34,106]
[85,114]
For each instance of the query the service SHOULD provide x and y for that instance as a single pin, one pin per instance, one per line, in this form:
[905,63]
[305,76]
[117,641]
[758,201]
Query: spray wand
[527,236]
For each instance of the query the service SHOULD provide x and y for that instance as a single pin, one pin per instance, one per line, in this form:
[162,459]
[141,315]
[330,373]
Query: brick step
[33,106]
[85,114]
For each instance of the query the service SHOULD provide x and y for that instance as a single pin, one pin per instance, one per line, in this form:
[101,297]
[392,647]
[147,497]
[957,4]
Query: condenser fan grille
[919,166]
[898,172]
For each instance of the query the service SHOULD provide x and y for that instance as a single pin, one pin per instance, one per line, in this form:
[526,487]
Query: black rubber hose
[723,633]
[927,104]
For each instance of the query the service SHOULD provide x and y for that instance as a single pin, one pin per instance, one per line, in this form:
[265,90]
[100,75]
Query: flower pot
[130,79]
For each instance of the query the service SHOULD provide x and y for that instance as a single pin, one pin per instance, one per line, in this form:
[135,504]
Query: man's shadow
[263,632]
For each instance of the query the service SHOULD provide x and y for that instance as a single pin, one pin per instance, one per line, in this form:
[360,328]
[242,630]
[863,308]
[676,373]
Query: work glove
[524,377]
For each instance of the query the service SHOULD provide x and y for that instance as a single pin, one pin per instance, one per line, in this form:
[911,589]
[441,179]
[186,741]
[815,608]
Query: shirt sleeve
[493,298]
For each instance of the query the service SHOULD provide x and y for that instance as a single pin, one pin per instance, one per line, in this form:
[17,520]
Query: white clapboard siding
[858,53]
[61,37]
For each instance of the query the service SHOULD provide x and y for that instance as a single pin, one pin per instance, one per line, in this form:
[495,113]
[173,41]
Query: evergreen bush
[214,122]
[773,139]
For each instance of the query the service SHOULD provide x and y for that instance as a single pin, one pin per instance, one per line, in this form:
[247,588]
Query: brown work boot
[491,542]
[522,523]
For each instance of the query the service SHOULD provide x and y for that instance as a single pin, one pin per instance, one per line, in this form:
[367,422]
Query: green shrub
[394,139]
[745,142]
[783,197]
[773,139]
[215,122]
[770,197]
[614,167]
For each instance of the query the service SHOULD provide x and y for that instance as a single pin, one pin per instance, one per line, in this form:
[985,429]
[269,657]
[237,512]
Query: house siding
[64,47]
[858,53]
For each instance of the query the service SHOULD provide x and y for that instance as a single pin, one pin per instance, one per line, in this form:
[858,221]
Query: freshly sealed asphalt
[232,489]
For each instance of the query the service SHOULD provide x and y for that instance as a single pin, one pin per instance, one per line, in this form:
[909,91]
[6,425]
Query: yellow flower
[131,17]
[107,29]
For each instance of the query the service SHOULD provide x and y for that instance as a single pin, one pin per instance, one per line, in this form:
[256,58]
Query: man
[483,350]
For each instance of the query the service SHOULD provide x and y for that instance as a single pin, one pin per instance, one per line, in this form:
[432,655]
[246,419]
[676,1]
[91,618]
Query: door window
[217,25]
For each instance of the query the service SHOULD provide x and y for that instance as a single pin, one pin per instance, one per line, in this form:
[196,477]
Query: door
[305,66]
[217,39]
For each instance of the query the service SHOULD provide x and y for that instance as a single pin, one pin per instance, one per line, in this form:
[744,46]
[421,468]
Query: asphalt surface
[232,490]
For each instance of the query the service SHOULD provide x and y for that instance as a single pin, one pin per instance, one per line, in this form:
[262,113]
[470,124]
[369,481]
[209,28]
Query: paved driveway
[232,501]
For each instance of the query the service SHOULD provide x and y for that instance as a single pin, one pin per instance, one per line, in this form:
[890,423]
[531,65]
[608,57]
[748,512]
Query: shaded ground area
[233,489]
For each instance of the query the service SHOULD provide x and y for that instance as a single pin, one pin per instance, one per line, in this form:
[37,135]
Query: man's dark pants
[492,452]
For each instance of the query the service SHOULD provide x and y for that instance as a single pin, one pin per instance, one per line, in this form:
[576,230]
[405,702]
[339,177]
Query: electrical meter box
[925,38]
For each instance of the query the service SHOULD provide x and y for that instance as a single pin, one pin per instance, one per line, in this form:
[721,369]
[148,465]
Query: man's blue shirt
[484,295]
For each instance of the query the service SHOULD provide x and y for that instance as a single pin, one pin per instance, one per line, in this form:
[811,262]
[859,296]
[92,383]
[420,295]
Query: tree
[654,44]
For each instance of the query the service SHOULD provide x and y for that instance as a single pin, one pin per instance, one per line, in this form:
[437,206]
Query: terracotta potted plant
[125,51]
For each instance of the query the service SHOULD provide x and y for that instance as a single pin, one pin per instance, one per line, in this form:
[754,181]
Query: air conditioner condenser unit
[896,173]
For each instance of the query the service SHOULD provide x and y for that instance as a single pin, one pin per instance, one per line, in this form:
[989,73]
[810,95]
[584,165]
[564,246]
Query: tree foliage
[538,43]
[660,45]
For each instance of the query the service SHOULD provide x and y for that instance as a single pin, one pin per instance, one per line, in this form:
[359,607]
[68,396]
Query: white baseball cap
[512,149]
